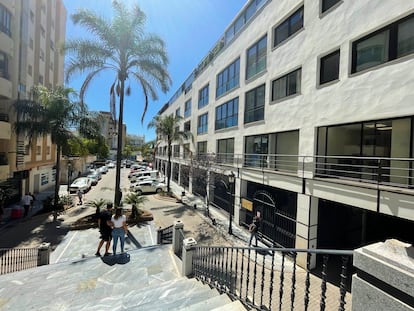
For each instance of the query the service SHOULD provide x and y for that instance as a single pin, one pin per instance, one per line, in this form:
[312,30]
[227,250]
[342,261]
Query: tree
[122,46]
[54,113]
[168,130]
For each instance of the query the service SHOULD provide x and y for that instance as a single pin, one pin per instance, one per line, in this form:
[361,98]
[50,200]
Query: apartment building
[31,32]
[309,104]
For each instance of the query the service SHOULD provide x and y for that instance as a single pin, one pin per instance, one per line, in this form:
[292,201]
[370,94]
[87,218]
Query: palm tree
[54,113]
[121,46]
[167,129]
[136,201]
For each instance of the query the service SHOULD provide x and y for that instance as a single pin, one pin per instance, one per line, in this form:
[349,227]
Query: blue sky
[189,28]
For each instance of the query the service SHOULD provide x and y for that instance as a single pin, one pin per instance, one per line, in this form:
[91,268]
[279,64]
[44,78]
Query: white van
[150,174]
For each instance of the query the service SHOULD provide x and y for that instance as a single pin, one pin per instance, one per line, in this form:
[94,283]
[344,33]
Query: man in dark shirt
[104,221]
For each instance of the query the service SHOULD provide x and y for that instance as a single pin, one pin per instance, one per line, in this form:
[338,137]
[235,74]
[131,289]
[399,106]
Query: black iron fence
[271,279]
[165,235]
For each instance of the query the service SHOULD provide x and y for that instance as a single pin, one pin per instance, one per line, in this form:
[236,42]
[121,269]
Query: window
[327,4]
[4,66]
[51,65]
[187,108]
[40,79]
[42,31]
[30,70]
[254,146]
[228,79]
[227,114]
[52,45]
[38,150]
[287,85]
[203,97]
[31,16]
[31,43]
[48,150]
[391,42]
[256,58]
[176,151]
[187,126]
[27,149]
[5,20]
[202,126]
[201,147]
[187,151]
[178,112]
[225,150]
[329,67]
[42,55]
[289,27]
[254,105]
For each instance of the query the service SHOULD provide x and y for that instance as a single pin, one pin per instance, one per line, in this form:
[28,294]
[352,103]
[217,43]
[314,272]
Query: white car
[82,183]
[144,178]
[111,165]
[103,169]
[148,186]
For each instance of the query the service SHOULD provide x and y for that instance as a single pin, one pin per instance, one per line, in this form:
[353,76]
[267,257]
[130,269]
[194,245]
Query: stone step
[209,304]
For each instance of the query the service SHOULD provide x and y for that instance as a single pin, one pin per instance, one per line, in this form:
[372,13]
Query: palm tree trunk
[117,198]
[169,167]
[57,182]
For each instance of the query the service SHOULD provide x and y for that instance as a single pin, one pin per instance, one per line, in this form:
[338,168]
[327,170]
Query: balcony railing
[394,172]
[17,259]
[270,279]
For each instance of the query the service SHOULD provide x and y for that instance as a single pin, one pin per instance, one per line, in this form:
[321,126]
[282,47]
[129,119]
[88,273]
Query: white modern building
[310,104]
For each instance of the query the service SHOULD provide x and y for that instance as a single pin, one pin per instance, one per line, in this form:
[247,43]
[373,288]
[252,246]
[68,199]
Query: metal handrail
[165,235]
[270,278]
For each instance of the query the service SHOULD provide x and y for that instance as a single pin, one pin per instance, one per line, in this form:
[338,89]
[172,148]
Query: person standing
[80,196]
[104,224]
[26,200]
[119,229]
[253,229]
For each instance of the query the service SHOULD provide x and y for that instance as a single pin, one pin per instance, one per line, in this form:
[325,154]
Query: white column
[187,268]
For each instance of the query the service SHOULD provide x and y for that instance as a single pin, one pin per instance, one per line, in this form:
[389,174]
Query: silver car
[148,186]
[82,183]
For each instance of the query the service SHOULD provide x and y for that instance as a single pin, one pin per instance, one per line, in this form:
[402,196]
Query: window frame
[327,7]
[232,119]
[203,96]
[296,72]
[323,81]
[202,124]
[228,79]
[288,21]
[254,68]
[187,108]
[5,20]
[391,47]
[256,107]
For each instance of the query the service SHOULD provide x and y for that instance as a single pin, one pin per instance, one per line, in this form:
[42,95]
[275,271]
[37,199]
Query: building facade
[309,104]
[31,32]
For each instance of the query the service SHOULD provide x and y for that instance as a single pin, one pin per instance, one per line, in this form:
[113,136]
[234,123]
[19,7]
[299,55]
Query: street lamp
[232,178]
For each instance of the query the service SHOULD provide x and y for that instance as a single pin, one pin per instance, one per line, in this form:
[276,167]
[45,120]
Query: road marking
[67,245]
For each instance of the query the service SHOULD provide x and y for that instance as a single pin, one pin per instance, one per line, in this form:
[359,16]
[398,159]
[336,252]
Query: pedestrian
[104,225]
[253,229]
[119,229]
[80,195]
[26,200]
[32,200]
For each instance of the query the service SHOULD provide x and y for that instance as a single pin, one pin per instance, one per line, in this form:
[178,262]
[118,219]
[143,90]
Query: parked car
[97,172]
[148,186]
[145,178]
[111,165]
[82,183]
[133,177]
[94,178]
[103,169]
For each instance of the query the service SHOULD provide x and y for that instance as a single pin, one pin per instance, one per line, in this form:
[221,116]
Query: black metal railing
[4,117]
[17,259]
[271,279]
[165,235]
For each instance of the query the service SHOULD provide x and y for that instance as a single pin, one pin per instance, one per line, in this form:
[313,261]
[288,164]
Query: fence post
[159,235]
[178,225]
[43,257]
[187,268]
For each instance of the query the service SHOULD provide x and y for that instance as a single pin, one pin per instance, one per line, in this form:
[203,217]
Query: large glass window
[254,105]
[187,108]
[256,58]
[255,147]
[228,79]
[225,150]
[391,42]
[287,85]
[201,148]
[203,97]
[5,20]
[288,27]
[4,66]
[187,126]
[227,114]
[202,126]
[329,70]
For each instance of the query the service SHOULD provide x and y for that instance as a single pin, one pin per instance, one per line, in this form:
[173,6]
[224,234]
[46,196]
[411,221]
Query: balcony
[5,126]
